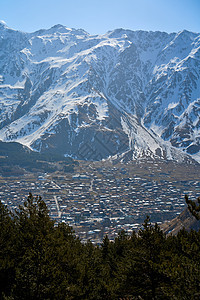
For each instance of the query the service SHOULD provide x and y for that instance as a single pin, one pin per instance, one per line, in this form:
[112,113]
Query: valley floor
[101,198]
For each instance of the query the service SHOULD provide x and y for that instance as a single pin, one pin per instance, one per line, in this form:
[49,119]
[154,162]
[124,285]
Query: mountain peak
[93,97]
[61,29]
[3,25]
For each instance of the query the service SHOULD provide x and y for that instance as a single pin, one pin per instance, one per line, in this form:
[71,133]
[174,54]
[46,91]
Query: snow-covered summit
[92,97]
[3,25]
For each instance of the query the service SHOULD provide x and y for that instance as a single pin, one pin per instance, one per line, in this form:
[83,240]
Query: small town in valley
[102,198]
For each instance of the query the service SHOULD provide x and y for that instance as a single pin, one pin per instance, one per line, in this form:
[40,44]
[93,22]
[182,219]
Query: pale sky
[100,16]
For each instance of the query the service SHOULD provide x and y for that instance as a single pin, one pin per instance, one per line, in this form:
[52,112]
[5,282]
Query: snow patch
[172,105]
[102,108]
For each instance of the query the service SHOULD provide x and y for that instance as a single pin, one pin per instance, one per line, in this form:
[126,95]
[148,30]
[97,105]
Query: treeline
[39,260]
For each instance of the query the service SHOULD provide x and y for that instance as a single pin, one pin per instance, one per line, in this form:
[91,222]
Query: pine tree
[144,275]
[7,255]
[194,207]
[33,228]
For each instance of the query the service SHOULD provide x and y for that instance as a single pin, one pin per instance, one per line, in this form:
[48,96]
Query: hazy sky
[99,16]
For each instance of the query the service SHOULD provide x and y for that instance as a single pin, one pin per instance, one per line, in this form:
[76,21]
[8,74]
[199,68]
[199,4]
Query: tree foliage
[39,260]
[194,207]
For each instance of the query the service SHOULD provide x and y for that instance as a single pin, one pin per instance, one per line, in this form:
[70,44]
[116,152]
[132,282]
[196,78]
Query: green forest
[39,260]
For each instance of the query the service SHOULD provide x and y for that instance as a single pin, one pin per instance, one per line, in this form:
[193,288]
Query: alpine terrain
[125,94]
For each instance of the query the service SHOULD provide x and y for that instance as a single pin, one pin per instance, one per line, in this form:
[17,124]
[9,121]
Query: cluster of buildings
[102,200]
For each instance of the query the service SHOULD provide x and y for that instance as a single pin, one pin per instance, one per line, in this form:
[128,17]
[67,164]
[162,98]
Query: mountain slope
[16,158]
[91,97]
[184,220]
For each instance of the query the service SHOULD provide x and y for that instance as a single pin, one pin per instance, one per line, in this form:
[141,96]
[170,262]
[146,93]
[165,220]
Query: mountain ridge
[93,97]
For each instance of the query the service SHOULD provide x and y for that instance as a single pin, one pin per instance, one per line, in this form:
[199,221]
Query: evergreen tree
[39,260]
[33,228]
[143,272]
[7,257]
[194,207]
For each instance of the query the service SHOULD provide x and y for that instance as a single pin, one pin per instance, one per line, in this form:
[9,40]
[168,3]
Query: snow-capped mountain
[125,93]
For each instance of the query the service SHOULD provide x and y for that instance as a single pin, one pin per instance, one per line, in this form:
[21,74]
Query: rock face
[91,97]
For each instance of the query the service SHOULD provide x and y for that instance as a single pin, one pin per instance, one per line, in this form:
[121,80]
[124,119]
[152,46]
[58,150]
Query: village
[101,200]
